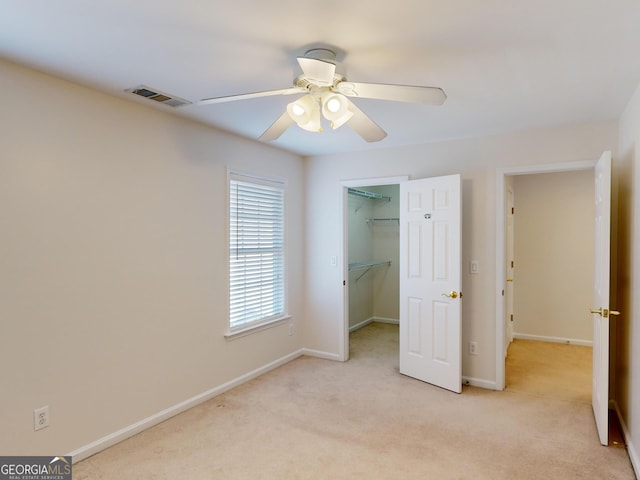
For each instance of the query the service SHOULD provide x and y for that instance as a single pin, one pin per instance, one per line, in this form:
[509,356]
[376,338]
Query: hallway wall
[627,325]
[554,256]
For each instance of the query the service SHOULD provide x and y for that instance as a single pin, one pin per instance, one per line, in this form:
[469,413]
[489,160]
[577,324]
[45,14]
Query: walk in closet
[373,230]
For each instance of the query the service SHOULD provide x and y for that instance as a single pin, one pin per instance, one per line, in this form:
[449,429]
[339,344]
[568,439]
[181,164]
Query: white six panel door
[430,279]
[600,390]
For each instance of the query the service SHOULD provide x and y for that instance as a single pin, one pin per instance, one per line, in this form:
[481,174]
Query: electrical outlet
[473,348]
[291,329]
[41,418]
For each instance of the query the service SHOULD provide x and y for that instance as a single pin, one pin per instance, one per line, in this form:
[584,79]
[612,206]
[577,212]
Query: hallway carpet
[318,419]
[550,369]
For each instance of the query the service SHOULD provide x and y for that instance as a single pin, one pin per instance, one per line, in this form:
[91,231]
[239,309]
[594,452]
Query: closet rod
[395,219]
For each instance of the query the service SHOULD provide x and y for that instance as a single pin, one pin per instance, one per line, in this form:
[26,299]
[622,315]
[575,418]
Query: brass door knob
[453,294]
[603,312]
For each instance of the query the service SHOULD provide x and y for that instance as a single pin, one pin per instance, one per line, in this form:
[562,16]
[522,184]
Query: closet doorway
[371,249]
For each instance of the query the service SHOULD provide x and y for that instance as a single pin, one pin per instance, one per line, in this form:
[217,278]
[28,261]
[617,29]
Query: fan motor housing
[321,54]
[303,82]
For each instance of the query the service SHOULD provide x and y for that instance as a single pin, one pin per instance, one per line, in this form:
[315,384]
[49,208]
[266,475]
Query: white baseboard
[479,382]
[370,320]
[542,338]
[131,430]
[631,450]
[361,324]
[393,321]
[320,354]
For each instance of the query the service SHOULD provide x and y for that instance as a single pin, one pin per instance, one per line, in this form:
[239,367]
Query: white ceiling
[504,65]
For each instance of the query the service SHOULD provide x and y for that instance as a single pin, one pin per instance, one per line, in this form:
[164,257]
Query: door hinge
[513,264]
[513,210]
[512,317]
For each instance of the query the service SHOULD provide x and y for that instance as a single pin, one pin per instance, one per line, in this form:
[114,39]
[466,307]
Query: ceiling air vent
[157,96]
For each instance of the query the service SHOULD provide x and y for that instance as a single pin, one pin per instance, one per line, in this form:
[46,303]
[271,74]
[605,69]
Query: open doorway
[429,256]
[600,305]
[549,269]
[373,252]
[504,179]
[370,229]
[373,221]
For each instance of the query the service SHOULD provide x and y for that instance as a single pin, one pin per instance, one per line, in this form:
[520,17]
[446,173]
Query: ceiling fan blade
[364,126]
[246,96]
[277,128]
[317,71]
[398,93]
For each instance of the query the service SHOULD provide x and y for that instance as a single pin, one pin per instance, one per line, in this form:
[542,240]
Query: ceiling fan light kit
[306,113]
[325,92]
[335,108]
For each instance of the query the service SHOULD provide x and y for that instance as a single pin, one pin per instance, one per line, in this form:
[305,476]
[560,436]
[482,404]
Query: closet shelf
[366,266]
[369,195]
[361,265]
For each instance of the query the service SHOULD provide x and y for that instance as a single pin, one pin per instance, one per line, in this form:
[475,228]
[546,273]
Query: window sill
[243,332]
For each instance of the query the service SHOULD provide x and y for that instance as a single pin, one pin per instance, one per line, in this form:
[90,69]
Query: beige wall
[113,288]
[554,255]
[386,246]
[360,250]
[627,325]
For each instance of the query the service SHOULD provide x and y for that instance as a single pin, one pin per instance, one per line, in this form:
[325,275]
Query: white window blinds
[256,251]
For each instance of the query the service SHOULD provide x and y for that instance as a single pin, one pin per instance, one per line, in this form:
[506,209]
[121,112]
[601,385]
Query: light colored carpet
[318,419]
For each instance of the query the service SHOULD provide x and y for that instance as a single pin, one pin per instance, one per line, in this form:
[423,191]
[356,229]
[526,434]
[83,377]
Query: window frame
[281,317]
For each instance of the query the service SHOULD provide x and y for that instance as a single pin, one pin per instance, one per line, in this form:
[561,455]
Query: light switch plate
[474,267]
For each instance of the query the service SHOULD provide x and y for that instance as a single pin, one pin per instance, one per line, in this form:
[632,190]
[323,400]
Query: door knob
[603,312]
[453,294]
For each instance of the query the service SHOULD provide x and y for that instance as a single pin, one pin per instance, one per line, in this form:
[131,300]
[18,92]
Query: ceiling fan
[325,93]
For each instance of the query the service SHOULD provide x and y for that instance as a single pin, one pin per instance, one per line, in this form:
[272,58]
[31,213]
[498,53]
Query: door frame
[509,248]
[501,247]
[343,338]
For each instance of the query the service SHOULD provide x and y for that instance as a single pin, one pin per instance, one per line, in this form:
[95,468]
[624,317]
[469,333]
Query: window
[256,251]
